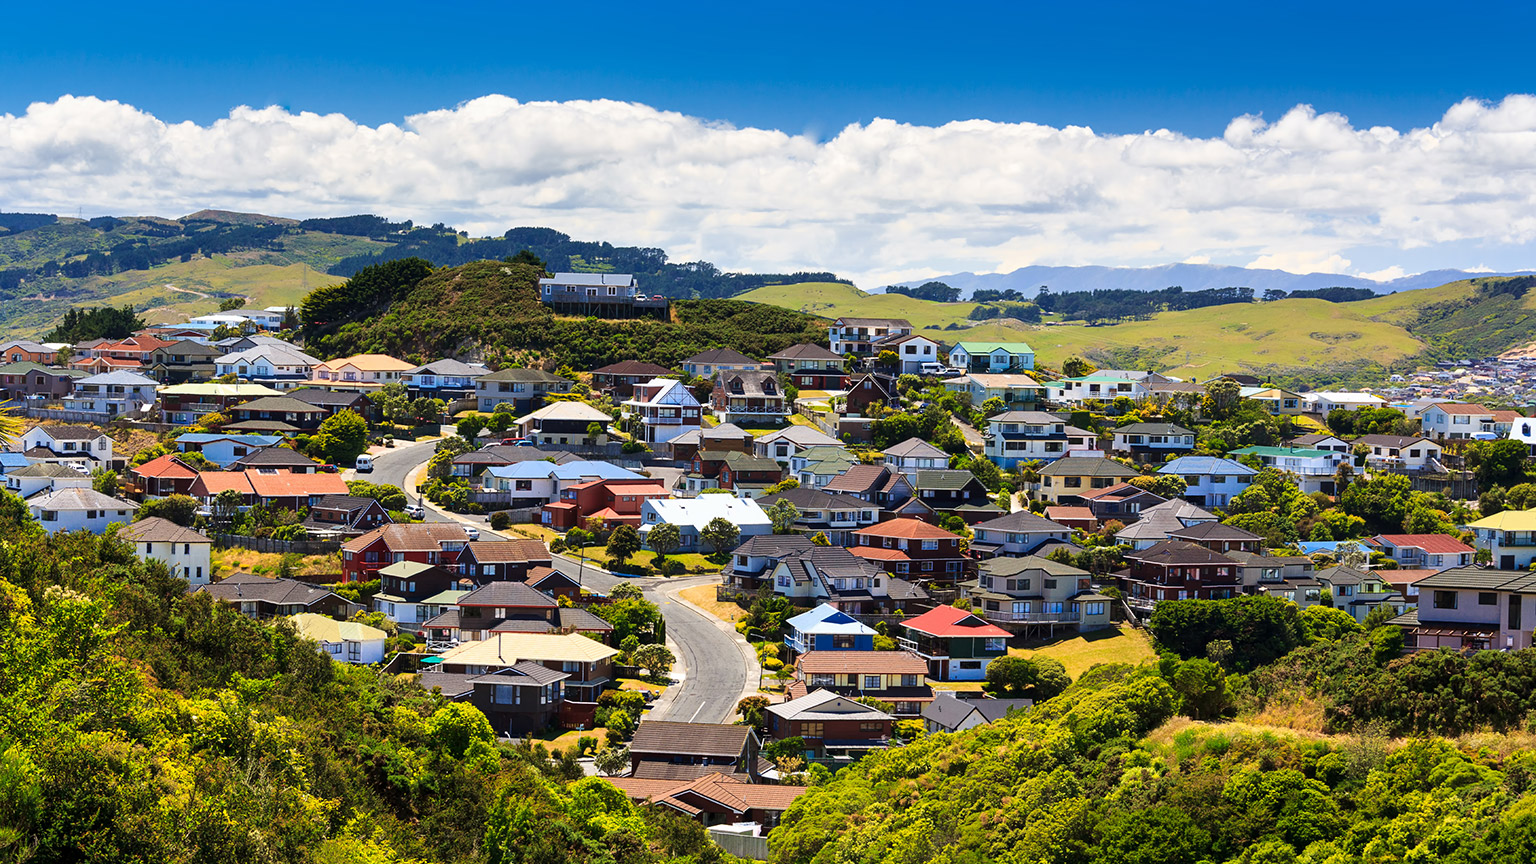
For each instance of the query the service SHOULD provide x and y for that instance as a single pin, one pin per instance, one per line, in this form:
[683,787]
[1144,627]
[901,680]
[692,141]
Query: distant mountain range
[1192,277]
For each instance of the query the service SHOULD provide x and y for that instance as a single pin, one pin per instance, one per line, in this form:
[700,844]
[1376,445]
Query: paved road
[717,665]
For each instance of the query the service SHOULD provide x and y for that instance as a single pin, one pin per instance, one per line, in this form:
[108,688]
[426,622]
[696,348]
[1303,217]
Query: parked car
[472,531]
[517,442]
[364,464]
[415,511]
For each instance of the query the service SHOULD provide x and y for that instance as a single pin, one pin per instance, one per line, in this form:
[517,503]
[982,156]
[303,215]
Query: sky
[889,141]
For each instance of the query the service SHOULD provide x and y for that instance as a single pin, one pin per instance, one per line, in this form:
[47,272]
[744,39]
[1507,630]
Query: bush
[500,520]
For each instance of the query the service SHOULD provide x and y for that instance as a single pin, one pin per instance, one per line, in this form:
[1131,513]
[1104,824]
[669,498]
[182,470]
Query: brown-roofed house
[690,750]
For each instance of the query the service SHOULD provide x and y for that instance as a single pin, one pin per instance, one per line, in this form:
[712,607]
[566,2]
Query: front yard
[703,596]
[1077,654]
[692,562]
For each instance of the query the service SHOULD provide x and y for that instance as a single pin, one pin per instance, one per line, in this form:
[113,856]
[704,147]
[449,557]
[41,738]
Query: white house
[113,394]
[1325,401]
[1399,451]
[279,365]
[914,455]
[222,449]
[1021,436]
[444,379]
[1018,534]
[361,372]
[1510,537]
[1154,439]
[1424,551]
[858,335]
[1104,385]
[78,509]
[1313,470]
[184,552]
[991,356]
[690,515]
[544,481]
[783,444]
[44,477]
[1456,420]
[1210,480]
[342,641]
[665,409]
[564,423]
[912,351]
[84,445]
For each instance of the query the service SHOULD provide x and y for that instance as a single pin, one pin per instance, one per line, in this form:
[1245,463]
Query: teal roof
[989,347]
[1277,452]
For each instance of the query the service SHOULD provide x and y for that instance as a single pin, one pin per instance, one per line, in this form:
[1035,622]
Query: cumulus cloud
[878,201]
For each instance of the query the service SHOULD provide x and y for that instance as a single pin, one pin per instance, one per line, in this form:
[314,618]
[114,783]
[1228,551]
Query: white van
[364,464]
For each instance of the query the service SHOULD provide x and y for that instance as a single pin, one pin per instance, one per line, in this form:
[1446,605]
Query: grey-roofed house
[1153,440]
[1157,523]
[262,597]
[522,389]
[1017,534]
[1062,480]
[522,698]
[949,491]
[40,477]
[112,394]
[811,367]
[1471,608]
[664,750]
[332,401]
[345,516]
[283,414]
[482,609]
[1033,596]
[707,364]
[275,458]
[783,444]
[472,465]
[949,713]
[832,574]
[831,724]
[1218,537]
[748,396]
[446,379]
[752,561]
[619,379]
[79,509]
[835,515]
[914,455]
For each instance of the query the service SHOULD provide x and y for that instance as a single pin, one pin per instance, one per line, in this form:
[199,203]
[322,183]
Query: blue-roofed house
[827,628]
[1212,481]
[224,448]
[535,483]
[10,461]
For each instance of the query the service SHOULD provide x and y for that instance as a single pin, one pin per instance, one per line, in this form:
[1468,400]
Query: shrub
[500,520]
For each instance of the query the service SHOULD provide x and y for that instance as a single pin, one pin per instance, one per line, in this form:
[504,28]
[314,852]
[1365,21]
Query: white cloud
[878,201]
[1385,275]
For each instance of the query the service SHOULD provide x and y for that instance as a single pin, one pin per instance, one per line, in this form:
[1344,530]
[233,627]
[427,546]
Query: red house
[616,502]
[438,543]
[162,476]
[912,548]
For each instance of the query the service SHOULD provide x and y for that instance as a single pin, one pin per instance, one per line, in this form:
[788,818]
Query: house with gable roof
[752,396]
[276,364]
[831,724]
[709,364]
[1016,534]
[619,379]
[266,597]
[859,335]
[446,379]
[1032,596]
[826,628]
[113,394]
[83,445]
[1210,481]
[664,409]
[991,356]
[1065,479]
[523,389]
[912,548]
[811,367]
[837,516]
[957,644]
[186,553]
[832,574]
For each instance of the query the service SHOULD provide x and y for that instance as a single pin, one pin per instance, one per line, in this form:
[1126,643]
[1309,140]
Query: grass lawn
[1119,645]
[534,532]
[237,560]
[692,562]
[566,740]
[643,686]
[957,686]
[703,596]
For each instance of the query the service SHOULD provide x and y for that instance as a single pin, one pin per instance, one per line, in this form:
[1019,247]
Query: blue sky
[1370,139]
[800,67]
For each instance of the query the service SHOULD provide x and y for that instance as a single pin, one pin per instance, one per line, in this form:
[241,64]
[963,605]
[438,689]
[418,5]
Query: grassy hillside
[1316,339]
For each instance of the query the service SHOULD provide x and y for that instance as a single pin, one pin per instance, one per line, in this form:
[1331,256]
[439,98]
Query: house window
[1095,608]
[872,682]
[812,730]
[910,681]
[842,642]
[822,679]
[1487,598]
[1445,599]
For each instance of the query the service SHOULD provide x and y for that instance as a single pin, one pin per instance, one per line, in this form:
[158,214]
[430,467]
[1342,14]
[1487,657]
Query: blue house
[826,628]
[1211,481]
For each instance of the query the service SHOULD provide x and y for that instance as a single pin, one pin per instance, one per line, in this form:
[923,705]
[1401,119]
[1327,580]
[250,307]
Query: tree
[720,534]
[783,514]
[655,659]
[753,711]
[781,486]
[664,538]
[612,761]
[1164,485]
[1497,463]
[1203,687]
[104,480]
[181,509]
[225,505]
[342,437]
[1010,676]
[623,543]
[1077,367]
[1222,396]
[820,539]
[469,428]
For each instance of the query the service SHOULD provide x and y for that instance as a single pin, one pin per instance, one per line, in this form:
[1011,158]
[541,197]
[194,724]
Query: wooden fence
[741,845]
[281,547]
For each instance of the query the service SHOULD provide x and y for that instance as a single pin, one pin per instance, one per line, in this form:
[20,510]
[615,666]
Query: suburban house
[473,465]
[187,404]
[1210,481]
[1016,392]
[1014,437]
[223,449]
[690,515]
[619,379]
[82,445]
[1326,401]
[896,677]
[1407,452]
[160,477]
[112,394]
[815,467]
[1179,570]
[521,389]
[991,356]
[342,641]
[827,629]
[448,380]
[277,458]
[408,591]
[30,479]
[783,444]
[954,491]
[1153,440]
[502,560]
[536,483]
[748,397]
[1471,608]
[858,335]
[913,352]
[27,351]
[565,423]
[482,610]
[914,455]
[709,364]
[1423,551]
[726,436]
[753,561]
[866,390]
[1218,537]
[717,799]
[1104,385]
[1032,596]
[831,724]
[615,501]
[837,516]
[79,509]
[425,542]
[1161,520]
[282,415]
[279,366]
[266,597]
[344,516]
[1016,534]
[1121,502]
[832,574]
[360,372]
[912,548]
[664,408]
[606,295]
[958,645]
[23,380]
[516,699]
[587,661]
[881,485]
[1276,401]
[1321,441]
[662,750]
[811,367]
[1065,479]
[182,361]
[747,475]
[949,713]
[1312,470]
[333,402]
[184,552]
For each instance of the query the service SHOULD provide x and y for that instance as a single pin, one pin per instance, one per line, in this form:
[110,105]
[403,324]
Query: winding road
[716,665]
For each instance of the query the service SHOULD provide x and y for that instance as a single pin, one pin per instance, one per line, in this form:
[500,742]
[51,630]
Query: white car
[472,531]
[415,511]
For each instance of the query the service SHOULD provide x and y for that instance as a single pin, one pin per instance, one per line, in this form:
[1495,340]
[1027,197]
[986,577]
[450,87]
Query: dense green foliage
[1112,304]
[495,304]
[1259,629]
[104,322]
[938,292]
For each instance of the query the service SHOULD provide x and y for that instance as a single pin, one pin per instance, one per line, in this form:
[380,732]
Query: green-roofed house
[1312,469]
[991,356]
[25,378]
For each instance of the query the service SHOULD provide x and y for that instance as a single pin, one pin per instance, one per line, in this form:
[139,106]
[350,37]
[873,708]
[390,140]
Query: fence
[65,415]
[741,845]
[281,547]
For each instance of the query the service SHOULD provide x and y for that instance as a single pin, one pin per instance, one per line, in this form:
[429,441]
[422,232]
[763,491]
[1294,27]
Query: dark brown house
[619,379]
[503,560]
[1179,570]
[684,751]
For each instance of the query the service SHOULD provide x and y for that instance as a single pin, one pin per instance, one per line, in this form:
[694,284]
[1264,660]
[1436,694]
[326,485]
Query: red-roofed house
[437,543]
[912,548]
[613,501]
[1072,517]
[1423,551]
[1465,420]
[957,644]
[162,476]
[293,491]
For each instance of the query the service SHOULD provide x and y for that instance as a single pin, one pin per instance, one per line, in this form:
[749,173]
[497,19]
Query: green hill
[492,309]
[1303,339]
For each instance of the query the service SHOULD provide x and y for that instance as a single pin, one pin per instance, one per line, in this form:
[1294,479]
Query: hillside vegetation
[492,309]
